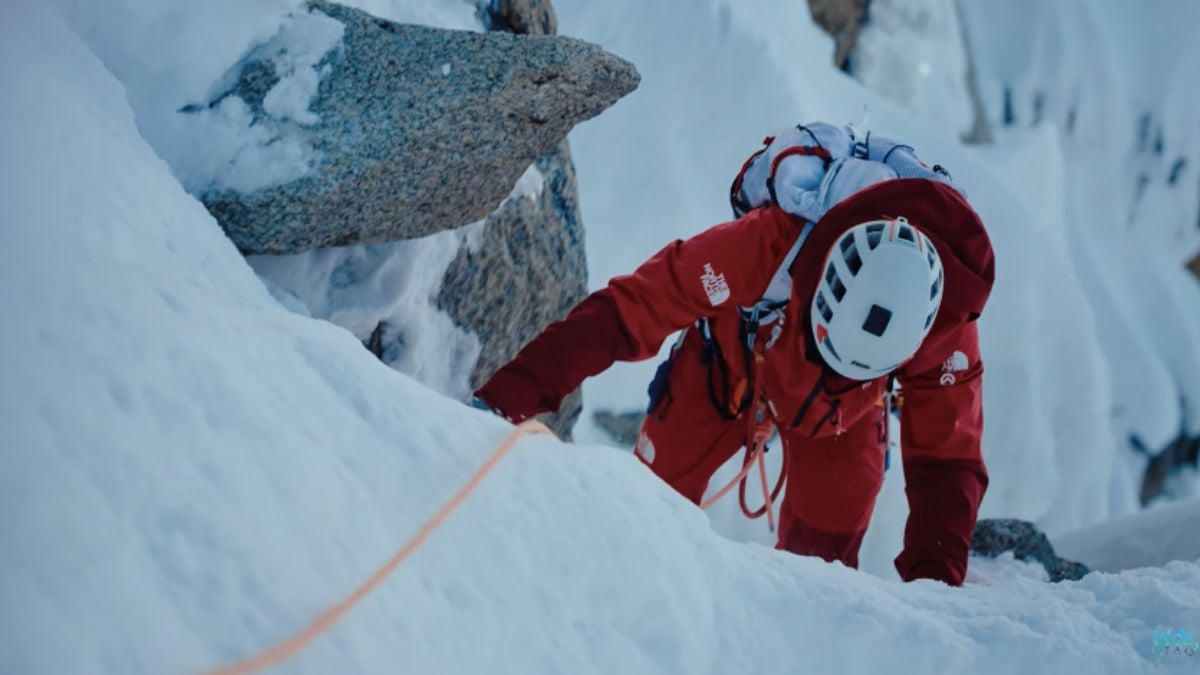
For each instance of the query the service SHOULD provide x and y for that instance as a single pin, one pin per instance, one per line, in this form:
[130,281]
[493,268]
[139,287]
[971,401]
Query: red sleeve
[585,343]
[941,433]
[629,320]
[730,264]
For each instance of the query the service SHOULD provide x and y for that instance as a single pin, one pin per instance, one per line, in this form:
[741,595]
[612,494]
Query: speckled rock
[421,129]
[528,270]
[995,536]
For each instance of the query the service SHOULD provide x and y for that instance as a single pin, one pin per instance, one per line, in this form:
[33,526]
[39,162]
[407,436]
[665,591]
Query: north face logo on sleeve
[714,285]
[957,363]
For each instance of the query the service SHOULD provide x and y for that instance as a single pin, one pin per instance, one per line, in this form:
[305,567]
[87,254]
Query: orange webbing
[325,620]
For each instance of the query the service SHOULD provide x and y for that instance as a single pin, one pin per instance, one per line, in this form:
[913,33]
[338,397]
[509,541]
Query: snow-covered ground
[189,471]
[1148,538]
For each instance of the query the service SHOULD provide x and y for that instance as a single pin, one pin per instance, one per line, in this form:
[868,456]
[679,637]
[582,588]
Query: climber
[851,266]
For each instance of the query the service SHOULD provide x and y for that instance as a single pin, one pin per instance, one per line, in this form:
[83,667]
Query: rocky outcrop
[622,427]
[995,536]
[527,270]
[842,20]
[419,130]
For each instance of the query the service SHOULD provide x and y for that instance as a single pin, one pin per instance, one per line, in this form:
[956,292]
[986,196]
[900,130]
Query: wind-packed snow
[360,287]
[1151,538]
[190,471]
[228,149]
[1129,145]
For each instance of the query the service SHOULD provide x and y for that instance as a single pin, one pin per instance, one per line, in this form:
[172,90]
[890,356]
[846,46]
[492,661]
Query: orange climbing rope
[760,426]
[325,620]
[756,454]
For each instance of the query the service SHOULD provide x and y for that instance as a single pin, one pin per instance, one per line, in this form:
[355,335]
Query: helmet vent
[835,283]
[933,290]
[906,234]
[929,319]
[850,253]
[874,235]
[839,291]
[823,307]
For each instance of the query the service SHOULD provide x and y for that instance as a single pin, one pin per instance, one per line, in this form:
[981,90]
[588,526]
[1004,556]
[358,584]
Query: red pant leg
[831,490]
[684,439]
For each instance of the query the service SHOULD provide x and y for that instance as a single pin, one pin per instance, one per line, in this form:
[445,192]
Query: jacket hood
[936,209]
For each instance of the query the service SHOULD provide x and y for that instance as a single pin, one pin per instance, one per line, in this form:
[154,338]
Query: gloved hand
[479,403]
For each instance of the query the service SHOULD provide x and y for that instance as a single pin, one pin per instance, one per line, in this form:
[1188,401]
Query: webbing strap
[779,291]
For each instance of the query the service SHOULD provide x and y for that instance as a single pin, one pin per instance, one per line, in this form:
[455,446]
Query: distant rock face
[995,536]
[1180,454]
[622,427]
[420,129]
[524,17]
[841,19]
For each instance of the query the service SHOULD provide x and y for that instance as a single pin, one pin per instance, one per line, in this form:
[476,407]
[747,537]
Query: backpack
[807,169]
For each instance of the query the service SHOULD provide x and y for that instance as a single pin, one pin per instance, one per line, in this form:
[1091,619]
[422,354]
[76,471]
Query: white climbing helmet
[877,298]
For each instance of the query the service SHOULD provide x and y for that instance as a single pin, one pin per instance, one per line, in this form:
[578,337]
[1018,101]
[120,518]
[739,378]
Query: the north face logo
[957,363]
[714,285]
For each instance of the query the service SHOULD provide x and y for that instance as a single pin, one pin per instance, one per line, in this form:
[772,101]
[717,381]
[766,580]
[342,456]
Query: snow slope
[1118,84]
[1147,539]
[189,471]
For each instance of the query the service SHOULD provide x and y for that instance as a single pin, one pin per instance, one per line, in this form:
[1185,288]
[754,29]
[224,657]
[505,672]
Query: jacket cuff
[511,395]
[943,500]
[946,571]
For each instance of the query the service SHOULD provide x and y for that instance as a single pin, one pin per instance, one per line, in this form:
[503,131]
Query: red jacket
[942,418]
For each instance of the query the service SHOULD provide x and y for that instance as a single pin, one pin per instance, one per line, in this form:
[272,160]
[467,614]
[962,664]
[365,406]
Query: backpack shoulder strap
[779,291]
[736,201]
